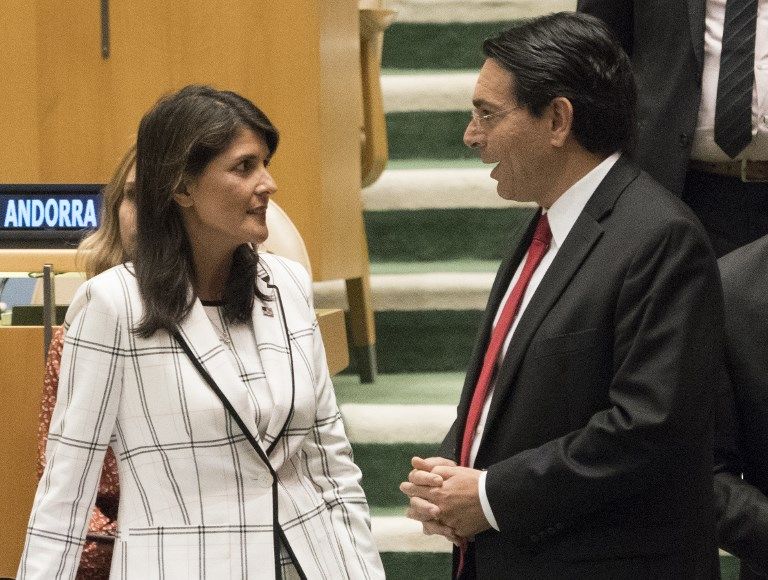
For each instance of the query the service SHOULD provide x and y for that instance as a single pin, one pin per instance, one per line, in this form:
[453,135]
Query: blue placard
[53,212]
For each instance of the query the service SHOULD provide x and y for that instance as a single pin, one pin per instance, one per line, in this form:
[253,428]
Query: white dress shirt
[562,215]
[704,146]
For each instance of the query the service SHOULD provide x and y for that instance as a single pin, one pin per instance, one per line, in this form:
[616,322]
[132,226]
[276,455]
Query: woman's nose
[267,185]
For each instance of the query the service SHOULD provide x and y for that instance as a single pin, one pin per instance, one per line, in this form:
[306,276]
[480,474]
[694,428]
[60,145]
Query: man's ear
[561,120]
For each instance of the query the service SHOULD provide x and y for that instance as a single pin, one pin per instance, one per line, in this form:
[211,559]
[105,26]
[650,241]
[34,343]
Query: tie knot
[542,233]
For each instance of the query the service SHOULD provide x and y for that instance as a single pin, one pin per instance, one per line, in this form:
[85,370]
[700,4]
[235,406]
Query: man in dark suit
[702,74]
[582,446]
[742,436]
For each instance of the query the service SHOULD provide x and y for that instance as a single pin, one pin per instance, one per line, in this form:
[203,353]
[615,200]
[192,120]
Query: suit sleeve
[617,14]
[90,382]
[742,508]
[331,468]
[660,396]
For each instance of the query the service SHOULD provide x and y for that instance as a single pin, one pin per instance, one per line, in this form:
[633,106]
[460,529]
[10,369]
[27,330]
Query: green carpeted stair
[436,234]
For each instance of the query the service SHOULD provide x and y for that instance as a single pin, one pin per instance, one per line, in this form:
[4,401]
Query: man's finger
[422,510]
[420,477]
[423,491]
[445,471]
[430,463]
[433,527]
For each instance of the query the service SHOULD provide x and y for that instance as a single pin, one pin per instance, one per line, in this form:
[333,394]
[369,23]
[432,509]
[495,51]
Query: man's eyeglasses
[484,120]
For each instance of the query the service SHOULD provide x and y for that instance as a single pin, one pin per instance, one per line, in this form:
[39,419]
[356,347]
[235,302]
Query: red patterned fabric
[97,552]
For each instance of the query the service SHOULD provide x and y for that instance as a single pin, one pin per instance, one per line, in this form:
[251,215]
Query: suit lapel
[198,333]
[575,249]
[499,288]
[273,344]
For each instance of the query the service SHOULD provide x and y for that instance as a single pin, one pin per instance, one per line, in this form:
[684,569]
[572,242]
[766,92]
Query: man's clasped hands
[445,498]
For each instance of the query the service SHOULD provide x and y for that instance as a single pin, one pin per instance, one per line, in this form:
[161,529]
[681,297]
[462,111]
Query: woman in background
[106,247]
[203,366]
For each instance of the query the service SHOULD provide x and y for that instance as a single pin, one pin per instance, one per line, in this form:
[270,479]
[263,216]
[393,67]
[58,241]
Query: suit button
[559,526]
[262,480]
[534,538]
[685,139]
[551,531]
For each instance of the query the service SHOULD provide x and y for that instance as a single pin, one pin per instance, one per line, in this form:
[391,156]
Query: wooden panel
[20,391]
[19,146]
[334,332]
[344,245]
[299,61]
[72,91]
[33,260]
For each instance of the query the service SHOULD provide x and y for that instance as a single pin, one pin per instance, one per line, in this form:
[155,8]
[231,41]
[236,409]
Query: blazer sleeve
[742,508]
[617,14]
[660,395]
[331,468]
[90,382]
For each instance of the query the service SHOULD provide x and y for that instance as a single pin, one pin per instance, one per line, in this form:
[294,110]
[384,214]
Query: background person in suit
[742,437]
[582,446]
[702,76]
[202,365]
[108,246]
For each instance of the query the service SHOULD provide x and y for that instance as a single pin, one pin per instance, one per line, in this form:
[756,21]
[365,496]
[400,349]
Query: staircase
[437,232]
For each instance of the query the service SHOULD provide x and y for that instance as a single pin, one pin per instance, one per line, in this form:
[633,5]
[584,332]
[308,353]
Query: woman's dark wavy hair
[177,140]
[575,56]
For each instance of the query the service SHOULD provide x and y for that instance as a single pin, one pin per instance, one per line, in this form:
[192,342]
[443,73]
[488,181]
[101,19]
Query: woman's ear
[183,196]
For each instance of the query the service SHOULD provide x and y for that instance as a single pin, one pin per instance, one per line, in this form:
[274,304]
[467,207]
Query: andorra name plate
[49,215]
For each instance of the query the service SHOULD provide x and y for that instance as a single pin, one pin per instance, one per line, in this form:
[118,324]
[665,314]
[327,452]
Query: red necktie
[539,246]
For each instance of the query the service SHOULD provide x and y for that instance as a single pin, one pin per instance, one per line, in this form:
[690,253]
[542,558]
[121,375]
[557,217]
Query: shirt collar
[567,208]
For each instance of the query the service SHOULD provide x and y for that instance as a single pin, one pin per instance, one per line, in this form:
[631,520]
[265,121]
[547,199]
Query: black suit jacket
[598,443]
[742,434]
[665,41]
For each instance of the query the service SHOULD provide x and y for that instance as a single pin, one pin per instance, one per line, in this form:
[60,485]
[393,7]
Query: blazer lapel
[576,247]
[270,327]
[198,333]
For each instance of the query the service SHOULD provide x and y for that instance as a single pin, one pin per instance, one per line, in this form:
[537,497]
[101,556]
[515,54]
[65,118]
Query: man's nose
[472,137]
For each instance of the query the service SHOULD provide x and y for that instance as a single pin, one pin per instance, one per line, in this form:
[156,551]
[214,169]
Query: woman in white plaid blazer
[202,366]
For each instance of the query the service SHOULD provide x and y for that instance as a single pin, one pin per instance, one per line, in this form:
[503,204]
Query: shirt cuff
[484,502]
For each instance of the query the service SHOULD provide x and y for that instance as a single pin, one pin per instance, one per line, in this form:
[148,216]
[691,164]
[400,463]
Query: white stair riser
[434,291]
[397,423]
[428,92]
[437,188]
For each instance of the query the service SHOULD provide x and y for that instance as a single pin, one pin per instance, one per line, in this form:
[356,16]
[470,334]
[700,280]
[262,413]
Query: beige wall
[68,115]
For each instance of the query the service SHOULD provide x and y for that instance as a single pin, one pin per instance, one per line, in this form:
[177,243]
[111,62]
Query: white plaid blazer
[196,499]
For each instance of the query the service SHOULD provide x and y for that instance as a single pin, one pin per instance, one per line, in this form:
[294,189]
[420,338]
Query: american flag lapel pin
[267,311]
